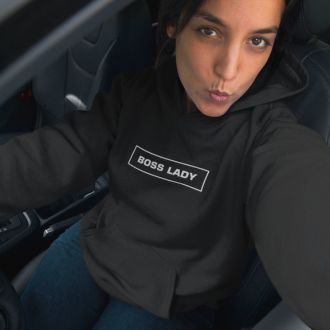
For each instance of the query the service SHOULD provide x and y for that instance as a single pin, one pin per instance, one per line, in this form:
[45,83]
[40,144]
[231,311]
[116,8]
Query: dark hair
[179,12]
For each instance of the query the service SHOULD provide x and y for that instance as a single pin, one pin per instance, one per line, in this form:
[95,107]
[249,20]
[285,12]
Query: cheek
[252,67]
[192,60]
[192,73]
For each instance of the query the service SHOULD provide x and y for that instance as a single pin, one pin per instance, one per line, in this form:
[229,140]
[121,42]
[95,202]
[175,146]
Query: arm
[39,167]
[288,215]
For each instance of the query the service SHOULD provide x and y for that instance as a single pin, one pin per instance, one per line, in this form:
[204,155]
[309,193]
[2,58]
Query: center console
[51,218]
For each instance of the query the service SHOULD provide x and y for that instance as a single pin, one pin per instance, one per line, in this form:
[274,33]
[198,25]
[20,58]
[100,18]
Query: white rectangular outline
[200,190]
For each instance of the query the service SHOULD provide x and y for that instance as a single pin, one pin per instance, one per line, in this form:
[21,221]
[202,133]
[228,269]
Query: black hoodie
[189,194]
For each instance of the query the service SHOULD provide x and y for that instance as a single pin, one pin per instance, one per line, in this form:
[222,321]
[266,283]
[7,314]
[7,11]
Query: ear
[170,30]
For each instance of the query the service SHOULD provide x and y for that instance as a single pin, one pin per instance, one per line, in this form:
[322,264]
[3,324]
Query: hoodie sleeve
[288,215]
[40,167]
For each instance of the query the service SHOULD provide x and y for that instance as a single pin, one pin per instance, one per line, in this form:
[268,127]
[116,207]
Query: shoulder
[276,111]
[277,123]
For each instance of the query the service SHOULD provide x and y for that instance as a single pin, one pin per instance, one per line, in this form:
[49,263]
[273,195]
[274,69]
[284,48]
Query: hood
[289,79]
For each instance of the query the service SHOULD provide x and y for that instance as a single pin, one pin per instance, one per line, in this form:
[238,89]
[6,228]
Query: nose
[227,62]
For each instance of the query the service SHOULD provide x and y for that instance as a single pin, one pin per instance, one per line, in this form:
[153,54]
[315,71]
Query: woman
[202,156]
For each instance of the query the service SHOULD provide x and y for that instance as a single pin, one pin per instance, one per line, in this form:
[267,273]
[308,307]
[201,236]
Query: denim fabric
[62,295]
[254,299]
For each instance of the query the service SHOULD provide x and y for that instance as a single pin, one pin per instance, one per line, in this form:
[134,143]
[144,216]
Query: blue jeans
[63,295]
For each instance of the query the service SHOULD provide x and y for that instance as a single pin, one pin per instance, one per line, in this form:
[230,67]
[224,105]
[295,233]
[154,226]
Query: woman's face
[222,49]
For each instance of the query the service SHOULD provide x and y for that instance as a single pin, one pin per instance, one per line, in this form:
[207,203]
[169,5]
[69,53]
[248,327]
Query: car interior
[61,68]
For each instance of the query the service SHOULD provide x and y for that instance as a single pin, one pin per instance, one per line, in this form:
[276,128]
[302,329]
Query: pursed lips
[218,96]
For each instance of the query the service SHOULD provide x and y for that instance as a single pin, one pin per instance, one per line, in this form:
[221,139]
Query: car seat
[123,42]
[315,56]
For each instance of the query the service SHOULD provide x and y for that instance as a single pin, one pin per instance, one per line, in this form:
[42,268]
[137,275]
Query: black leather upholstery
[21,279]
[313,105]
[11,314]
[72,81]
[314,20]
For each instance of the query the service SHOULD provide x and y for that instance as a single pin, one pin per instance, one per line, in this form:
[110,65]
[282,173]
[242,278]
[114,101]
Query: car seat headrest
[314,19]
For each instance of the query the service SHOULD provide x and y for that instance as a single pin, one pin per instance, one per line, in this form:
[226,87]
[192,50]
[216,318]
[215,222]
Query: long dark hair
[179,12]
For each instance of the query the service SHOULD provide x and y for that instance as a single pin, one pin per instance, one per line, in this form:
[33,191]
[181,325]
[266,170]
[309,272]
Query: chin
[212,110]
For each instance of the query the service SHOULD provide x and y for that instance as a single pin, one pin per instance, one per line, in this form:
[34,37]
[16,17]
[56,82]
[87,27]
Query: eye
[260,42]
[208,32]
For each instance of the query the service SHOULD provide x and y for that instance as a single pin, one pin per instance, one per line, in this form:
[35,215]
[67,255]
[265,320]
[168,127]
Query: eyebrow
[216,20]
